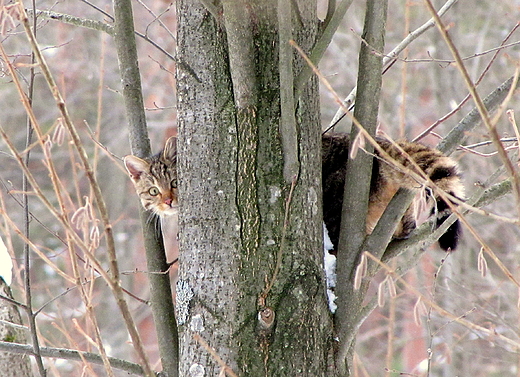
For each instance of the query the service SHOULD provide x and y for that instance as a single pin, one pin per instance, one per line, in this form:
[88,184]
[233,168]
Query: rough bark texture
[233,204]
[160,287]
[11,364]
[352,231]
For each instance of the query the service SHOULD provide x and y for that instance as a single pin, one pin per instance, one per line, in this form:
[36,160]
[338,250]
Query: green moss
[11,338]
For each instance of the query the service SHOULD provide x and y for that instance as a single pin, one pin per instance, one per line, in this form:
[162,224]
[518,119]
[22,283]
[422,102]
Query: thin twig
[157,18]
[279,256]
[227,370]
[488,142]
[455,318]
[26,231]
[489,123]
[482,75]
[13,302]
[390,58]
[114,280]
[68,354]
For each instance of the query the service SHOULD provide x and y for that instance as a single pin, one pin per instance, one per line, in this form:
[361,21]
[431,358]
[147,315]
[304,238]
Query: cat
[386,180]
[155,179]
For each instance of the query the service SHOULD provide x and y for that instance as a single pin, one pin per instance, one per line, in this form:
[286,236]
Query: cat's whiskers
[154,220]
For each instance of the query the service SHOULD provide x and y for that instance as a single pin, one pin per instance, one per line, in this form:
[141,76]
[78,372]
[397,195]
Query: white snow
[6,264]
[329,265]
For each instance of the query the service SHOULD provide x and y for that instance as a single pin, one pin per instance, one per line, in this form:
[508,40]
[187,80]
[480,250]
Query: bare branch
[458,319]
[458,107]
[160,288]
[67,354]
[389,59]
[357,187]
[490,125]
[94,25]
[322,44]
[73,20]
[288,132]
[114,281]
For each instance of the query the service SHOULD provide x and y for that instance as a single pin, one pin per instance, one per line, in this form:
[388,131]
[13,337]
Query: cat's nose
[168,201]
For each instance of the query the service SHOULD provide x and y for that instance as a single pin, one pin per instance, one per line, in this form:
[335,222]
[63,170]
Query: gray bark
[357,186]
[233,199]
[12,364]
[160,289]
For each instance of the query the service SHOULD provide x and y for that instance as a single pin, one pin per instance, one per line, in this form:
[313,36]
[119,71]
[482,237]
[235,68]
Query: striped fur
[155,179]
[386,180]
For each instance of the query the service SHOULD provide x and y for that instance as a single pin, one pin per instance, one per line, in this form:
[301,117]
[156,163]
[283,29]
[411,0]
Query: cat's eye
[154,191]
[173,183]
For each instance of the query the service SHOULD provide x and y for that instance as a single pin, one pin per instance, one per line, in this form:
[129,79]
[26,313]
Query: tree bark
[357,186]
[11,364]
[250,243]
[161,299]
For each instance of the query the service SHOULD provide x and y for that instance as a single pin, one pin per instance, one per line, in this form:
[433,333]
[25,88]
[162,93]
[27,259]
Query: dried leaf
[419,309]
[79,218]
[94,236]
[392,291]
[47,144]
[482,263]
[381,294]
[359,142]
[59,133]
[361,270]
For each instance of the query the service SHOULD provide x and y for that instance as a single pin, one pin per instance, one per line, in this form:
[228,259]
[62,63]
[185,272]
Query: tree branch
[94,25]
[321,45]
[490,125]
[160,289]
[357,187]
[68,354]
[73,20]
[239,31]
[288,131]
[473,119]
[390,58]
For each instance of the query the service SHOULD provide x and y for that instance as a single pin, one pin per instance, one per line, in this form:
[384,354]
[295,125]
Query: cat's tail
[442,171]
[450,239]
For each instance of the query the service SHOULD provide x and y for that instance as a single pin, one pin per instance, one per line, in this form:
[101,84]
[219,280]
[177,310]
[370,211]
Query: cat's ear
[136,166]
[170,149]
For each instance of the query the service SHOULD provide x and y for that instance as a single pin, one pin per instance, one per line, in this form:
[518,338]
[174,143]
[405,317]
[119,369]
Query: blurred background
[420,88]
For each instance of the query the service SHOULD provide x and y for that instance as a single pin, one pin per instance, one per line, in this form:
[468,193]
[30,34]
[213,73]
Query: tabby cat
[386,180]
[155,179]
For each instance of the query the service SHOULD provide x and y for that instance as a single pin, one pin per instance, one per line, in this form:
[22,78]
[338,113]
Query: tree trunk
[11,364]
[240,261]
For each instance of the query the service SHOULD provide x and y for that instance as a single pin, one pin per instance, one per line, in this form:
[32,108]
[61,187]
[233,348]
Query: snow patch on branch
[329,265]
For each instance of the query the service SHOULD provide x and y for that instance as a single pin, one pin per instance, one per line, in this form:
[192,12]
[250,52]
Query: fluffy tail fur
[387,178]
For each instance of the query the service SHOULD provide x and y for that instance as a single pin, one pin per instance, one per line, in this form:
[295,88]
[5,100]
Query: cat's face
[155,179]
